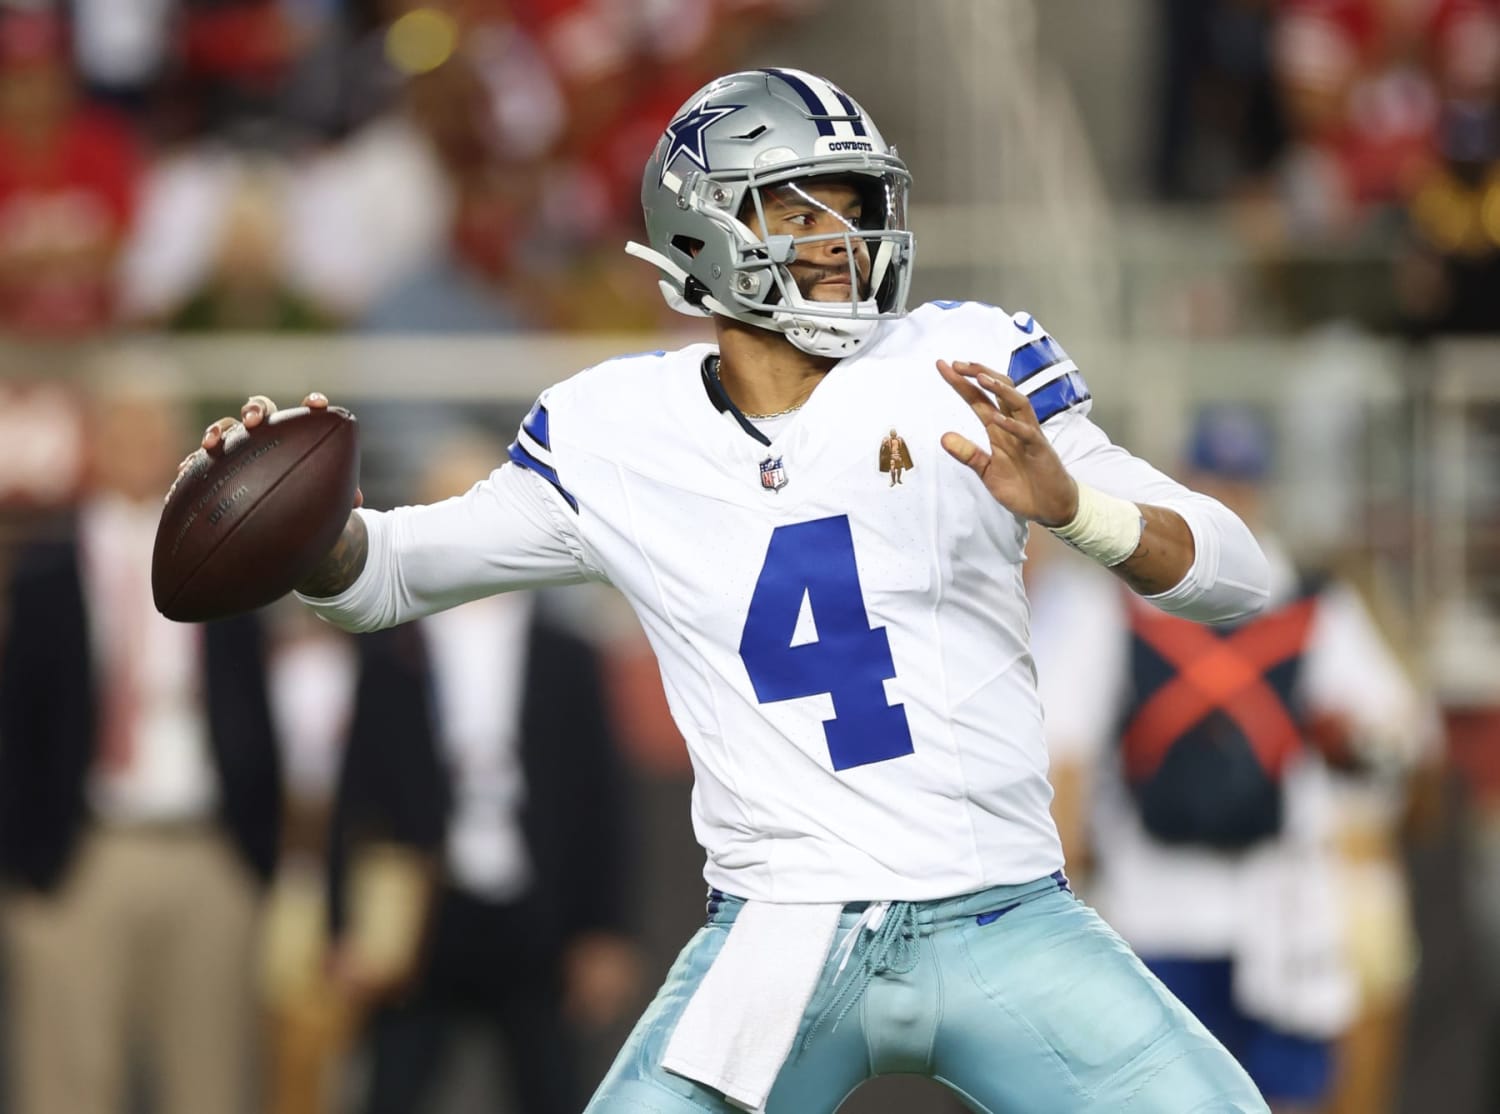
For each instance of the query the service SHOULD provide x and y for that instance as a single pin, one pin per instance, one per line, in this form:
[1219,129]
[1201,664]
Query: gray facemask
[757,139]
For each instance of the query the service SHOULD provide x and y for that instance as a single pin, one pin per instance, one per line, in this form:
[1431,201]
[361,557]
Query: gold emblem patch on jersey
[895,457]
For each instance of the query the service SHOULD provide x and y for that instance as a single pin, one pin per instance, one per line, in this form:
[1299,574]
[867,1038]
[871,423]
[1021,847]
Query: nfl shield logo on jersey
[772,474]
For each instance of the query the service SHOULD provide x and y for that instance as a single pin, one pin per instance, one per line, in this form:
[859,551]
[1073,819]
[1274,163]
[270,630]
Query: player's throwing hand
[257,409]
[1019,467]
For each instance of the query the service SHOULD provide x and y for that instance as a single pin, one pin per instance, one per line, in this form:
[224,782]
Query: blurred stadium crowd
[1347,127]
[214,169]
[264,164]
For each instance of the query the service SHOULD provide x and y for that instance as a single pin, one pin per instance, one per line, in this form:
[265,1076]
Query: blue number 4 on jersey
[850,660]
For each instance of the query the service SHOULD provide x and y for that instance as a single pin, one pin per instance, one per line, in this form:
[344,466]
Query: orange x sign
[1218,671]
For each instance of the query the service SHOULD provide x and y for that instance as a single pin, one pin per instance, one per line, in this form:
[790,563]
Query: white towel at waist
[739,1026]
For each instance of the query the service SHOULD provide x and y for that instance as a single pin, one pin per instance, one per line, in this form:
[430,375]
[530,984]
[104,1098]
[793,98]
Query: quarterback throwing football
[846,656]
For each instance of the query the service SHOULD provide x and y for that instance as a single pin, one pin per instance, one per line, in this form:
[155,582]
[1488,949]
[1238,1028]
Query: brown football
[241,528]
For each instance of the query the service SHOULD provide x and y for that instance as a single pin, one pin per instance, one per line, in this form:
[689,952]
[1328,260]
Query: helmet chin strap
[817,334]
[834,337]
[675,282]
[822,336]
[825,336]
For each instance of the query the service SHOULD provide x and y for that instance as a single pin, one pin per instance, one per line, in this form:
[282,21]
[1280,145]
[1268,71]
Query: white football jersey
[846,656]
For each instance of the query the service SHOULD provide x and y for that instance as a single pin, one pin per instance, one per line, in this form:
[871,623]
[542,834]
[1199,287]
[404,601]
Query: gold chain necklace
[713,370]
[775,414]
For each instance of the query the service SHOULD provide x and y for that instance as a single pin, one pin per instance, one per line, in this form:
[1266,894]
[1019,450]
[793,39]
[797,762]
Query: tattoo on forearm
[1136,571]
[1163,556]
[345,561]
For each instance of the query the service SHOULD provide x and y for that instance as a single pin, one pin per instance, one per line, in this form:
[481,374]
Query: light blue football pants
[1018,998]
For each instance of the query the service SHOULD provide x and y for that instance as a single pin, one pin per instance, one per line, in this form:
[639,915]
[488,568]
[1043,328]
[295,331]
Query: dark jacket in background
[49,709]
[395,784]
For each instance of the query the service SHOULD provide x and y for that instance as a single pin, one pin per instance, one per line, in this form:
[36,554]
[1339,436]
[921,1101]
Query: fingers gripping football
[1018,465]
[257,409]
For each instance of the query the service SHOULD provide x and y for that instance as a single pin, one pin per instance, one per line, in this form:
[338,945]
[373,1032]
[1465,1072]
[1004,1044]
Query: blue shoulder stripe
[1059,395]
[1039,355]
[520,456]
[536,425]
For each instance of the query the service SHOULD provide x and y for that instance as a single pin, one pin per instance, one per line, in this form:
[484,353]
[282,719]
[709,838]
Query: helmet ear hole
[688,246]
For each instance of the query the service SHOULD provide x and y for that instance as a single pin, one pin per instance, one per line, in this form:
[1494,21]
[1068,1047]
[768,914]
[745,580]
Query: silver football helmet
[744,134]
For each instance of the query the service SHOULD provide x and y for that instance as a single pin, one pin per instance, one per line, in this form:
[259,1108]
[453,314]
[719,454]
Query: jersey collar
[721,400]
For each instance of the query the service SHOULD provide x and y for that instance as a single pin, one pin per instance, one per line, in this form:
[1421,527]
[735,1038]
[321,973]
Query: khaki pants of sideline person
[146,950]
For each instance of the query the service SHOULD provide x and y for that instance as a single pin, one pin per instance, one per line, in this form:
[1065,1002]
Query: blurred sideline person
[1212,774]
[69,176]
[846,658]
[309,1025]
[481,741]
[139,802]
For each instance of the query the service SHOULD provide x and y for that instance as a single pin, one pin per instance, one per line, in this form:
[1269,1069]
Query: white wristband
[1105,528]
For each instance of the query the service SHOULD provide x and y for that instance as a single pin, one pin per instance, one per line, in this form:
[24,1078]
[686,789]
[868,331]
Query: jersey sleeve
[1044,373]
[1229,577]
[532,450]
[1016,345]
[516,529]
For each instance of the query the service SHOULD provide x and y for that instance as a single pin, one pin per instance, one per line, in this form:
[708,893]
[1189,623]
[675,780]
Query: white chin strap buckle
[825,336]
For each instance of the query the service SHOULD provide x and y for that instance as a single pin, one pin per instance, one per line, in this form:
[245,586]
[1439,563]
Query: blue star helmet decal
[686,133]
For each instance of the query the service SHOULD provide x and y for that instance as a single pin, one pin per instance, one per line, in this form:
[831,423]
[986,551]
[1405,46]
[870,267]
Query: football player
[846,658]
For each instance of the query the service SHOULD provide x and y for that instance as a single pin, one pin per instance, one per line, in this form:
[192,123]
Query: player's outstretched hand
[257,409]
[1018,467]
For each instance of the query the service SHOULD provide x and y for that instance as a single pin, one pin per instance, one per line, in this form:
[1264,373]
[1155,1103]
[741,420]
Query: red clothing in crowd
[65,205]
